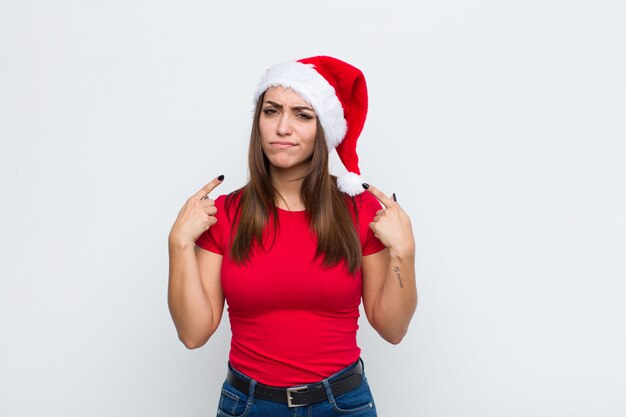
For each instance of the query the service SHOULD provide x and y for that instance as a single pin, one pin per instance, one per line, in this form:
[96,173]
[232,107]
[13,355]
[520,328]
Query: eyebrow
[280,106]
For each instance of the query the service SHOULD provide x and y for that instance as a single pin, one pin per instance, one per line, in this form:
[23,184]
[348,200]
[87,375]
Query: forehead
[285,95]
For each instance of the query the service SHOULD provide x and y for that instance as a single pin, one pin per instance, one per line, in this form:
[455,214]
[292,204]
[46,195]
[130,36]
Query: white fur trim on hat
[313,88]
[350,183]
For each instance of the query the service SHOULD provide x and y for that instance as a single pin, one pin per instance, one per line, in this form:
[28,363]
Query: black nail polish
[366,186]
[220,178]
[394,197]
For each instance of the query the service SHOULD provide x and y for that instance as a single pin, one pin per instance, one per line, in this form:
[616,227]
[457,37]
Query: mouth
[282,144]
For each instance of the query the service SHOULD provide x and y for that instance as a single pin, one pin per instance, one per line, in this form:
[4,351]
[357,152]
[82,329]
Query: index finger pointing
[204,191]
[382,197]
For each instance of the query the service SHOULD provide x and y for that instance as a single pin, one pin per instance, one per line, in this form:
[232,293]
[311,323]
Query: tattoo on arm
[397,271]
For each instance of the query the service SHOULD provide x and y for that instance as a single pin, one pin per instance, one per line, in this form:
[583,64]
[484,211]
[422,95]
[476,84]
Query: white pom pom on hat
[337,92]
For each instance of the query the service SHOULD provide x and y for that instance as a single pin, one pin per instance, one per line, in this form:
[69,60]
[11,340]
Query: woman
[293,252]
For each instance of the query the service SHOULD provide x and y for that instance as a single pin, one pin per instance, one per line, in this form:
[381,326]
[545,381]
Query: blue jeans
[358,402]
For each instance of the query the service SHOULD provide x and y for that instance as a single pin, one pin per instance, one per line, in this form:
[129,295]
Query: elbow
[395,339]
[393,335]
[195,338]
[193,343]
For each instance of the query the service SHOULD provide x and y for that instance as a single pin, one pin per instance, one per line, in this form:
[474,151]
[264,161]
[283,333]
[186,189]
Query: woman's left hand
[392,225]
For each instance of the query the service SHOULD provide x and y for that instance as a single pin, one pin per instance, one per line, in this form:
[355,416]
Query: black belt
[303,394]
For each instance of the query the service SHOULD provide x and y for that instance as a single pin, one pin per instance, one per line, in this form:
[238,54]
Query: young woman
[293,252]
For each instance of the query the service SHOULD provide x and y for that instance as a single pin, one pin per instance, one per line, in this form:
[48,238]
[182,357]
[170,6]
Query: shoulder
[228,199]
[369,199]
[221,199]
[367,202]
[228,204]
[220,202]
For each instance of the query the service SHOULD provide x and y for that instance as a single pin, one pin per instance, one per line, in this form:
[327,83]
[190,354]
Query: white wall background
[499,125]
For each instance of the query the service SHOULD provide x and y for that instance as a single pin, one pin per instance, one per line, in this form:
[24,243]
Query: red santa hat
[337,92]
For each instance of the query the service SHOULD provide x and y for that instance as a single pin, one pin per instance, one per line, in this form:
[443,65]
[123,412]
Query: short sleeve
[368,207]
[213,238]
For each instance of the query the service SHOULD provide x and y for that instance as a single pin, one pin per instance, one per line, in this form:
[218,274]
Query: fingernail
[394,197]
[220,178]
[366,186]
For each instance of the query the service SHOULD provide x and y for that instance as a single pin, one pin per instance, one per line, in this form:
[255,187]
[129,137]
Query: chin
[285,165]
[288,164]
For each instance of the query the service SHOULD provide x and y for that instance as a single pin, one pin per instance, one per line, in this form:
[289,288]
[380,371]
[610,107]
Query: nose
[284,125]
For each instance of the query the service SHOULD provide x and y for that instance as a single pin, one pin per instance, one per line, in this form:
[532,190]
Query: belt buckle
[294,389]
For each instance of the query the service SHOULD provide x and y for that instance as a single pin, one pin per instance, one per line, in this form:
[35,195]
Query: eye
[269,111]
[304,116]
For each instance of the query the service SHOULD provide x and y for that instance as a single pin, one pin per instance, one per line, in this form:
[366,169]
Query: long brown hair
[326,206]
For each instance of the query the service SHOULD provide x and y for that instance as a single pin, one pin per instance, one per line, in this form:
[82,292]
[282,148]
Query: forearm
[188,303]
[397,301]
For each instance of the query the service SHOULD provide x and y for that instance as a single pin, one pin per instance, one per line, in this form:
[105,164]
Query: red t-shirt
[292,321]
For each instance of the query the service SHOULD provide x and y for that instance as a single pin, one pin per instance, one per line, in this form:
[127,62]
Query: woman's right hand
[196,216]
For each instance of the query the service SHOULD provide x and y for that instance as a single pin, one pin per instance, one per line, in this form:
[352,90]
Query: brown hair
[326,206]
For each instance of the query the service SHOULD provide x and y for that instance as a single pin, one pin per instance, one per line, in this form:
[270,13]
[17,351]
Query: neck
[287,182]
